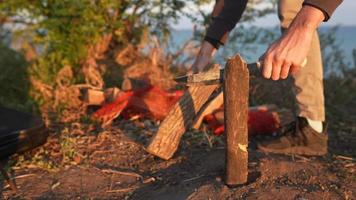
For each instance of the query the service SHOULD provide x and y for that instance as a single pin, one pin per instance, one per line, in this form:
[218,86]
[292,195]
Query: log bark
[236,88]
[166,140]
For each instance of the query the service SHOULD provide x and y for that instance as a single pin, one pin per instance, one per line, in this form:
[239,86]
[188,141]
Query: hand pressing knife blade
[216,76]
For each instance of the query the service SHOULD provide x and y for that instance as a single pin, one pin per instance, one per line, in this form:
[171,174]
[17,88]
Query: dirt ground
[114,165]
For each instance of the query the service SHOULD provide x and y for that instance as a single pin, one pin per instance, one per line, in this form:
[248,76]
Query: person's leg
[307,136]
[308,82]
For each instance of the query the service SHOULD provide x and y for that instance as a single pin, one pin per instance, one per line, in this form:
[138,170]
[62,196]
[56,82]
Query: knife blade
[211,77]
[217,76]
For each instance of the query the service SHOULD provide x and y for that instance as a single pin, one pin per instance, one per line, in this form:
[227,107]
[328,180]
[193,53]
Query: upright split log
[180,118]
[236,87]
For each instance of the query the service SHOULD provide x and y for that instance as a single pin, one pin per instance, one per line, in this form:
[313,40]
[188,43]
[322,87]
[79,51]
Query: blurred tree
[66,32]
[77,33]
[334,61]
[66,28]
[15,84]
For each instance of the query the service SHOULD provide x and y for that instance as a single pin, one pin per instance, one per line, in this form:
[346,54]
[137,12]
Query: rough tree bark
[236,88]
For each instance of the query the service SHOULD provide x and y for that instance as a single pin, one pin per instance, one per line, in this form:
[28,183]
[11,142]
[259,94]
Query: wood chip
[55,185]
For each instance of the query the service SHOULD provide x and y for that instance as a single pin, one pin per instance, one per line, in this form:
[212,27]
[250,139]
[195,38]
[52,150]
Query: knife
[212,77]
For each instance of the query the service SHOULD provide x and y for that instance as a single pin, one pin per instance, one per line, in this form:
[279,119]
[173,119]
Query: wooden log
[165,142]
[94,97]
[215,103]
[236,88]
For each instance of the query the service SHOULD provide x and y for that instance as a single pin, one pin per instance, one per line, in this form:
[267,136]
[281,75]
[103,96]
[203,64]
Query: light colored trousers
[308,82]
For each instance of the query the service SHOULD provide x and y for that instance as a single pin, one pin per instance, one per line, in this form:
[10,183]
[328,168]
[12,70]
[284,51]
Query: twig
[301,157]
[123,189]
[345,158]
[149,180]
[349,165]
[194,178]
[122,173]
[209,139]
[110,188]
[22,176]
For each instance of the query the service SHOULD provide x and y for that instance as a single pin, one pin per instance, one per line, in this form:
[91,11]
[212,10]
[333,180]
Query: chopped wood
[94,97]
[208,108]
[181,116]
[236,92]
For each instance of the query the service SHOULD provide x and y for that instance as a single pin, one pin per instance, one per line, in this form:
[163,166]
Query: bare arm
[226,14]
[287,53]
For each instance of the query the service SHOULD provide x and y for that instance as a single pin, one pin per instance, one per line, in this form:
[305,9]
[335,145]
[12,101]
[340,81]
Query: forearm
[206,52]
[286,55]
[218,7]
[327,6]
[309,18]
[226,15]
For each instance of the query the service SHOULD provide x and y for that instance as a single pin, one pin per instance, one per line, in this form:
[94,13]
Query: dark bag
[20,132]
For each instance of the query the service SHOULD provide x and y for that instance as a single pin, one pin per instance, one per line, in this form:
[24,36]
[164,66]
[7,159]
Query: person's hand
[286,55]
[204,57]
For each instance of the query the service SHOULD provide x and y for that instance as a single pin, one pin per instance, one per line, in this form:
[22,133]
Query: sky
[345,15]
